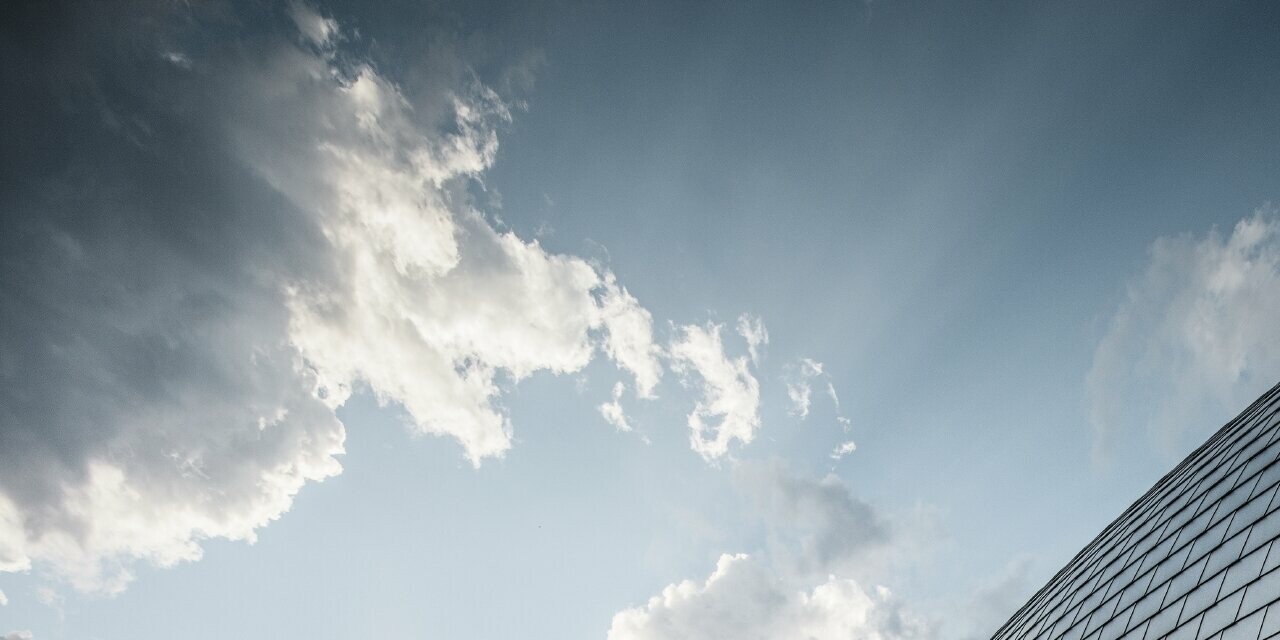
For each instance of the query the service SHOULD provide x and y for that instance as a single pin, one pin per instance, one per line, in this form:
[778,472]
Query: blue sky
[355,282]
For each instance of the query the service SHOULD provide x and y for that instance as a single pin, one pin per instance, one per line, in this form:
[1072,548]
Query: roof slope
[1192,558]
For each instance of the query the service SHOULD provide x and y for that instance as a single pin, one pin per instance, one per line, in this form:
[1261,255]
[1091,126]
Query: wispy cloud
[752,329]
[1196,338]
[800,389]
[843,449]
[612,410]
[799,379]
[996,598]
[317,29]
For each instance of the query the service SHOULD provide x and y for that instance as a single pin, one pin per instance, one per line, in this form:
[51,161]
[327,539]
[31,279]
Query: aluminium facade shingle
[1195,558]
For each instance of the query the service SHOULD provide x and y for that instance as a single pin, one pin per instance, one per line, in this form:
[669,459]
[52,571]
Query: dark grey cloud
[146,370]
[219,221]
[819,521]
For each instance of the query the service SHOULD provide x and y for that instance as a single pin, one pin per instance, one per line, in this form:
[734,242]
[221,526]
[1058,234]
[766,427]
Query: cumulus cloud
[150,395]
[629,336]
[1196,338]
[612,410]
[743,599]
[729,405]
[213,256]
[18,635]
[808,585]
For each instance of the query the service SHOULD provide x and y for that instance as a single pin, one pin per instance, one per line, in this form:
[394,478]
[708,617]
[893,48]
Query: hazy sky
[624,320]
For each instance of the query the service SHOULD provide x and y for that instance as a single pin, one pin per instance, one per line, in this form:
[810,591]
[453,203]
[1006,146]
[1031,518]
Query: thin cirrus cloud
[612,410]
[799,379]
[1196,337]
[229,259]
[800,388]
[752,329]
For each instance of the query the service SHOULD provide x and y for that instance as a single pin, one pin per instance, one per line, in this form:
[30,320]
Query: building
[1194,558]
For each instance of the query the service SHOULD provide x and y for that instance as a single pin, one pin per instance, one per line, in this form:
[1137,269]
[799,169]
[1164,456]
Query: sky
[612,320]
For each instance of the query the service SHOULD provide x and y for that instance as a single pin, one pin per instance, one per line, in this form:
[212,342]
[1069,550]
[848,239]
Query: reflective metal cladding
[1194,558]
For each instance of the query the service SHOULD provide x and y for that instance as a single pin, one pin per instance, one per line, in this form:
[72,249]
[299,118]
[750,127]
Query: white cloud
[844,421]
[4,600]
[629,336]
[1196,338]
[807,587]
[843,449]
[729,406]
[18,635]
[48,597]
[752,329]
[799,389]
[316,28]
[743,599]
[177,58]
[799,379]
[800,394]
[612,410]
[831,393]
[178,390]
[434,303]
